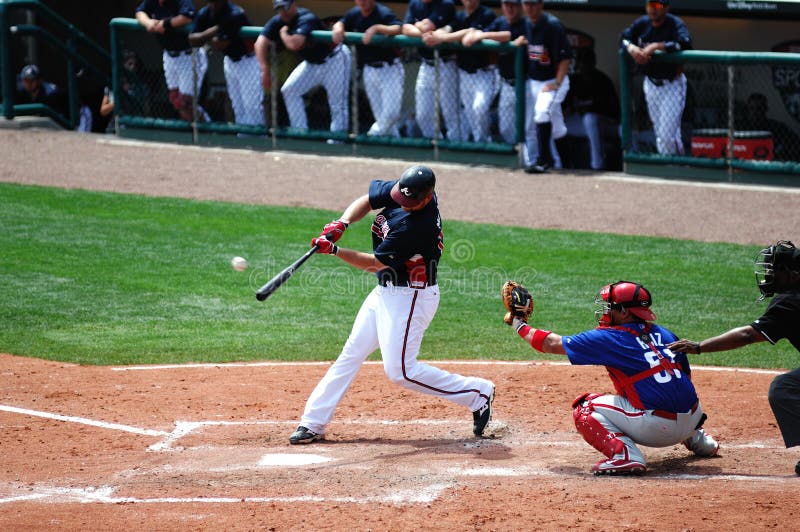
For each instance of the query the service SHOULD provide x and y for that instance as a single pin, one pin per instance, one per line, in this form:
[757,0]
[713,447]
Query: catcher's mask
[782,256]
[623,295]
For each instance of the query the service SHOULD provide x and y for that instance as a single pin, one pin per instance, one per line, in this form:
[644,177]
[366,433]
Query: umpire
[777,270]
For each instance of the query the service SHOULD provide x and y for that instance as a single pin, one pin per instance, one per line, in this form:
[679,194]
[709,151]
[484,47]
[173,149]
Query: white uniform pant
[618,415]
[243,80]
[477,91]
[178,71]
[542,107]
[595,127]
[393,319]
[333,75]
[506,112]
[384,88]
[425,94]
[665,105]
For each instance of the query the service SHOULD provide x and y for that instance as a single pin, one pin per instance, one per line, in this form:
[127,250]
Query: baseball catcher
[655,403]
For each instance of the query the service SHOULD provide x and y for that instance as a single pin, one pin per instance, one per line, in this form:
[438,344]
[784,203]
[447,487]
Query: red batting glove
[333,230]
[325,246]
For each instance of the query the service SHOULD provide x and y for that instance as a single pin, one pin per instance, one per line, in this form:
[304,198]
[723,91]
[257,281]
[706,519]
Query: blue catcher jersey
[409,243]
[625,354]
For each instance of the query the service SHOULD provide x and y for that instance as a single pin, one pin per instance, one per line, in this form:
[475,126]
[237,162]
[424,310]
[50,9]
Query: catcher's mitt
[517,300]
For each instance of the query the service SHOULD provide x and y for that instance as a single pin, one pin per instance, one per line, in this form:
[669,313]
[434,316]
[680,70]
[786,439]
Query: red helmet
[623,294]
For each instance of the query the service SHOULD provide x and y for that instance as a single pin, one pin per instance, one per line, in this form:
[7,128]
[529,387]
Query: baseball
[239,264]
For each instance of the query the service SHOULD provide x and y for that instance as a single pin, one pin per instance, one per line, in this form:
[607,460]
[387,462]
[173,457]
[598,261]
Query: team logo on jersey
[786,79]
[537,52]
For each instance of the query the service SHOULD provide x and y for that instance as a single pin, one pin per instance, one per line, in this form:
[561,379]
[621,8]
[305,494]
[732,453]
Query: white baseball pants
[243,80]
[178,72]
[477,91]
[384,88]
[425,94]
[542,107]
[665,105]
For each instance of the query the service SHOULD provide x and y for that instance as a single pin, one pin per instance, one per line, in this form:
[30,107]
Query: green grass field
[102,278]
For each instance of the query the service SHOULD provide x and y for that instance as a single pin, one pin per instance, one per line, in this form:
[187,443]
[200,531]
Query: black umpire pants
[784,398]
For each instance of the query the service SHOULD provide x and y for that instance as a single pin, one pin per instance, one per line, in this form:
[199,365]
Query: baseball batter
[325,64]
[656,403]
[382,71]
[777,271]
[164,18]
[425,16]
[549,59]
[219,24]
[407,244]
[664,84]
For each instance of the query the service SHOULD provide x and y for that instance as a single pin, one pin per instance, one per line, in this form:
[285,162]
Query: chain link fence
[723,109]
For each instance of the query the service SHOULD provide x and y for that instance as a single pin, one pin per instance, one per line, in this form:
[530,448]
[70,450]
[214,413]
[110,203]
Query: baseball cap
[281,4]
[414,186]
[29,72]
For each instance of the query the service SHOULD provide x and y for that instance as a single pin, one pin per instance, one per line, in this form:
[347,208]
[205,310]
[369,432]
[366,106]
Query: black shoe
[797,468]
[539,167]
[303,435]
[481,417]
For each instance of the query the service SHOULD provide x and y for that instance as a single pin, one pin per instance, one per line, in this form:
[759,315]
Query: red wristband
[523,330]
[537,342]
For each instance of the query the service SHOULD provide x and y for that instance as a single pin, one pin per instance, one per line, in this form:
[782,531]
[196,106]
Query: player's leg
[362,341]
[657,108]
[376,98]
[674,102]
[591,126]
[234,87]
[392,101]
[424,99]
[335,77]
[252,93]
[597,418]
[784,398]
[296,85]
[403,315]
[506,115]
[448,102]
[531,149]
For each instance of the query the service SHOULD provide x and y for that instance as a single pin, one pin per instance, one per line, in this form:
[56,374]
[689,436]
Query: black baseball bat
[276,282]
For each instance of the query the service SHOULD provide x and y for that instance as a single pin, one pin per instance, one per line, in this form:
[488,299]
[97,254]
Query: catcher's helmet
[781,256]
[623,294]
[414,186]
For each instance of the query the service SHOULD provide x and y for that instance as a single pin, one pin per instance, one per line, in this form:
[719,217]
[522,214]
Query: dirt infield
[205,446]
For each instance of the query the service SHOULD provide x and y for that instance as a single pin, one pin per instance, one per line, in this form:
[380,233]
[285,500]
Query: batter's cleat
[482,416]
[618,467]
[701,444]
[303,435]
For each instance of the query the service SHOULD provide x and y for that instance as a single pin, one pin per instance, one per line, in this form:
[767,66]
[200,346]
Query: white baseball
[239,264]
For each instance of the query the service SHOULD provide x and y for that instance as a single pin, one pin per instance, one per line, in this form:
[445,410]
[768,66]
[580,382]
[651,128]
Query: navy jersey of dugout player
[477,75]
[167,20]
[219,23]
[511,27]
[655,403]
[323,63]
[425,16]
[407,244]
[664,84]
[382,71]
[549,59]
[777,270]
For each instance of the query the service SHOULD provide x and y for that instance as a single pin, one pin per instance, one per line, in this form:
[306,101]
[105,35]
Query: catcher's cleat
[482,416]
[701,444]
[618,467]
[303,435]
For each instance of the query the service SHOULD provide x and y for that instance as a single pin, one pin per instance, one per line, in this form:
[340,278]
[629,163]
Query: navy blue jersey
[672,32]
[354,21]
[506,60]
[547,47]
[440,12]
[781,319]
[174,40]
[624,354]
[303,24]
[480,19]
[409,243]
[230,18]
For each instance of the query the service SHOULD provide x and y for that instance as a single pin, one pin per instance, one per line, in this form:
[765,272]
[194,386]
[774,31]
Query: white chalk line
[434,362]
[83,421]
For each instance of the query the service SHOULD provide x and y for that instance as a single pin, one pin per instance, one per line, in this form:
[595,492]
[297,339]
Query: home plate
[292,459]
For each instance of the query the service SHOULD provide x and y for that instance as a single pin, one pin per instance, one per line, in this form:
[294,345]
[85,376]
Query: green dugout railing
[120,25]
[70,43]
[723,90]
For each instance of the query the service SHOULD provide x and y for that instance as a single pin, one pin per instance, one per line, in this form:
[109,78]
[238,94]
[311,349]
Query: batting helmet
[623,295]
[414,186]
[782,256]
